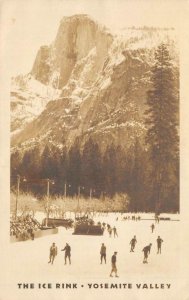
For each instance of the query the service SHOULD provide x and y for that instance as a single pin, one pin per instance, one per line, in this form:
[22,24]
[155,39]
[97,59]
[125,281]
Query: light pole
[65,190]
[48,187]
[79,189]
[17,195]
[47,218]
[91,193]
[78,196]
[25,181]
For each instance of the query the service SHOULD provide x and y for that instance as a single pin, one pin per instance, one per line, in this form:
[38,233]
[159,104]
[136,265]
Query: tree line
[89,170]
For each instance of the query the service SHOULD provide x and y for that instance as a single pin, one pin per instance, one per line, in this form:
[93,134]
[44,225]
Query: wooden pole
[65,190]
[79,189]
[47,218]
[90,193]
[17,195]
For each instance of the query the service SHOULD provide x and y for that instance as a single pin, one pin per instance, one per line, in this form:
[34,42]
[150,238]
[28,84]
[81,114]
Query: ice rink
[29,259]
[85,251]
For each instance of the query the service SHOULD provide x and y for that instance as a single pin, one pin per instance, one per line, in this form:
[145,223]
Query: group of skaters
[147,249]
[67,256]
[133,242]
[112,230]
[103,258]
[23,227]
[113,260]
[54,251]
[133,218]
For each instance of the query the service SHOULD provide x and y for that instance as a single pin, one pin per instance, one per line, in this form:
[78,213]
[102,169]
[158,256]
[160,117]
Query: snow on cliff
[86,78]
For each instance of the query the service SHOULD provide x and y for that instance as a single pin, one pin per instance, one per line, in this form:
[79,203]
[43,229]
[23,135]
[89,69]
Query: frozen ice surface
[33,255]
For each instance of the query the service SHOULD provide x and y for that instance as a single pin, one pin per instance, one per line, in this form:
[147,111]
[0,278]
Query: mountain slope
[98,81]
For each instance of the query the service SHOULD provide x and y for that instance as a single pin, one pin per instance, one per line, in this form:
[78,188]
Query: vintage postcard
[94,151]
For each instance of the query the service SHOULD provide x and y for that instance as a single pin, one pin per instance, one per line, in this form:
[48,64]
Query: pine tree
[92,168]
[26,164]
[120,170]
[47,165]
[63,170]
[162,133]
[137,177]
[109,166]
[36,163]
[15,163]
[74,169]
[55,161]
[98,182]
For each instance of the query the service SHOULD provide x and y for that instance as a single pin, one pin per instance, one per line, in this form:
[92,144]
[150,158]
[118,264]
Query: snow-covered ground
[29,259]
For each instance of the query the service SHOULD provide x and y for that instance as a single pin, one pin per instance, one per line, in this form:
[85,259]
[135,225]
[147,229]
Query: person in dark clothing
[53,253]
[133,243]
[146,251]
[32,234]
[114,267]
[67,250]
[103,253]
[152,227]
[159,242]
[115,232]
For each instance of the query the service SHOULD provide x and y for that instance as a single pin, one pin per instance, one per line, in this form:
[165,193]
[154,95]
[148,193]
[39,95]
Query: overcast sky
[28,24]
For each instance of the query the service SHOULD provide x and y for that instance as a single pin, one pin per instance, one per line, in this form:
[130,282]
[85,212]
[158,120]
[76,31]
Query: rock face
[98,82]
[28,99]
[76,37]
[41,68]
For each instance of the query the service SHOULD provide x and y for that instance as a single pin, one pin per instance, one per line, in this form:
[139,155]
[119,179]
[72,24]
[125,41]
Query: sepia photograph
[94,161]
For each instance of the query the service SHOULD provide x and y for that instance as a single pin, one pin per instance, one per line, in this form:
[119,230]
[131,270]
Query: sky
[26,25]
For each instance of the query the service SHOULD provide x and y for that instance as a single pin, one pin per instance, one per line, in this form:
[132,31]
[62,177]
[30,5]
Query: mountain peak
[81,17]
[82,20]
[88,82]
[77,36]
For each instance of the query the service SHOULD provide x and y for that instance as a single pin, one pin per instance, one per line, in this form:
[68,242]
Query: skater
[115,232]
[104,225]
[155,217]
[146,251]
[133,243]
[114,268]
[103,253]
[159,242]
[67,250]
[152,227]
[53,253]
[110,231]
